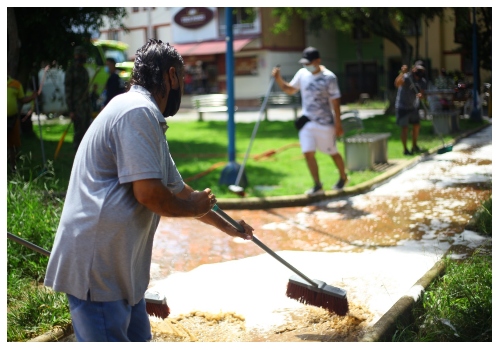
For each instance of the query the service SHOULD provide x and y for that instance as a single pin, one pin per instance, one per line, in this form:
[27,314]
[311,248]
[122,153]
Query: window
[462,25]
[245,66]
[245,20]
[113,35]
[243,15]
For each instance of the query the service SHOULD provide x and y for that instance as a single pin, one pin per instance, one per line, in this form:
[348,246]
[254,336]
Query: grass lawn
[197,148]
[200,150]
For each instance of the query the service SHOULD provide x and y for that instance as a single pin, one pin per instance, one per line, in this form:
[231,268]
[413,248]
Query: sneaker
[315,191]
[340,184]
[407,153]
[416,149]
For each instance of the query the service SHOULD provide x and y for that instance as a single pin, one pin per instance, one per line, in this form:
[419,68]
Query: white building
[199,34]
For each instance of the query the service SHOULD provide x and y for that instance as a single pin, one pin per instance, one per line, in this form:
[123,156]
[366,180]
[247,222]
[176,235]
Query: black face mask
[173,102]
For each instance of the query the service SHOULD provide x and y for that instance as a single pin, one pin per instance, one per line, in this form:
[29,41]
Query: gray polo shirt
[105,236]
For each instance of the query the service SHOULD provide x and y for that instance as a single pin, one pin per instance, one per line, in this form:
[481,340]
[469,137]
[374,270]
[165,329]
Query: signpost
[230,172]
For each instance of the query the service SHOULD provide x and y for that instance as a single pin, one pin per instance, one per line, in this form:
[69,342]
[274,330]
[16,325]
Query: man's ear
[174,80]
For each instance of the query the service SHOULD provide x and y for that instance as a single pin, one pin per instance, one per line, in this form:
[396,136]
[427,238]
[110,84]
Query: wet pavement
[375,245]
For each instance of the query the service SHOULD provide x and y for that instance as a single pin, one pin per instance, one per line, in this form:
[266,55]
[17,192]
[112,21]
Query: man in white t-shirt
[321,105]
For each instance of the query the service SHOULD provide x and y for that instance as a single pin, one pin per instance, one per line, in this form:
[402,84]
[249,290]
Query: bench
[281,100]
[362,150]
[209,103]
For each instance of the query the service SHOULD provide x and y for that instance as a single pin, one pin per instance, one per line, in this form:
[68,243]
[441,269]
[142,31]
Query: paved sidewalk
[385,325]
[244,115]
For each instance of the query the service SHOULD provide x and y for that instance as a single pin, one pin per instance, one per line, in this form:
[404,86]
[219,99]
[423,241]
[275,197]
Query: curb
[303,200]
[54,335]
[400,312]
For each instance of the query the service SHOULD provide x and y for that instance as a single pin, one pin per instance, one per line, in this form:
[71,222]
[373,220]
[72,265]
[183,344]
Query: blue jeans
[114,321]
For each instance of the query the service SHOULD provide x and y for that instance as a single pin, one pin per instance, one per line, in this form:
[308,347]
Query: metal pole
[475,114]
[230,84]
[230,172]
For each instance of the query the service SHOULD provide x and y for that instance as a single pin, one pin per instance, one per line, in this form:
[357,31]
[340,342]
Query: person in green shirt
[15,96]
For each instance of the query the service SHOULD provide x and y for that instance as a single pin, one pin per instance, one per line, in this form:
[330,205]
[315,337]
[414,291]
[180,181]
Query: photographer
[411,87]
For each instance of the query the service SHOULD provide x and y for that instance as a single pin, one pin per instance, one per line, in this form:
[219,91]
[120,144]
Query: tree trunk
[12,43]
[417,44]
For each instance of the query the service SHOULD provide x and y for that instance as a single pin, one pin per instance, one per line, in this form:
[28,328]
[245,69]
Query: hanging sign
[193,17]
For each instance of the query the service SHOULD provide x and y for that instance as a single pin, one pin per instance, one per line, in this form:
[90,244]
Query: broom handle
[268,250]
[28,244]
[262,107]
[47,253]
[417,92]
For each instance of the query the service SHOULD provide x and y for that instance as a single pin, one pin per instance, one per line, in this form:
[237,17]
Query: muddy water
[432,202]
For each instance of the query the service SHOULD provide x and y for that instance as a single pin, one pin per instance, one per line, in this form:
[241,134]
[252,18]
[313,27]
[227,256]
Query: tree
[47,34]
[382,21]
[463,33]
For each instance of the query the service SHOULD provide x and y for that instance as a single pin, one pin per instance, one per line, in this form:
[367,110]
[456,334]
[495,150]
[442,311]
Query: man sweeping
[122,181]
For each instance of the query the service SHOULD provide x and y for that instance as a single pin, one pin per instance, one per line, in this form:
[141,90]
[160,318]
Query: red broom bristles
[158,310]
[319,297]
[156,305]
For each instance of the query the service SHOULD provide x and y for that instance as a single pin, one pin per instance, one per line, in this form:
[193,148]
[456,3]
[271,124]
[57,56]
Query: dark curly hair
[151,61]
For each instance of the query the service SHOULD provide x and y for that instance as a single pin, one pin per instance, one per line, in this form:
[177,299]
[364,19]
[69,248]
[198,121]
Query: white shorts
[314,136]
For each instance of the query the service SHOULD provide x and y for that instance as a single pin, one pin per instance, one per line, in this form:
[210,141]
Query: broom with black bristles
[156,303]
[301,287]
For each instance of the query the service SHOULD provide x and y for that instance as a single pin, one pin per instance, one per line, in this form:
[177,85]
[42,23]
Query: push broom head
[156,304]
[327,297]
[240,191]
[445,149]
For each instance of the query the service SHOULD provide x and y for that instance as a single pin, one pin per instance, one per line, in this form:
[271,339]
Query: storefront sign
[193,17]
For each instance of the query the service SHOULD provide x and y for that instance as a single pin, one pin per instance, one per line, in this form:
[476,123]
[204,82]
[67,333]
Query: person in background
[411,87]
[320,93]
[114,85]
[15,97]
[122,182]
[26,114]
[76,88]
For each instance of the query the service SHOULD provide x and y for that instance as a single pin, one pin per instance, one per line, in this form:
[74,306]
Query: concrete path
[383,281]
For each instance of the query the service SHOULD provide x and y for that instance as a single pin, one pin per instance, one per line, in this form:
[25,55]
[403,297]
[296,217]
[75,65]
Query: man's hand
[284,86]
[248,235]
[400,78]
[276,73]
[203,200]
